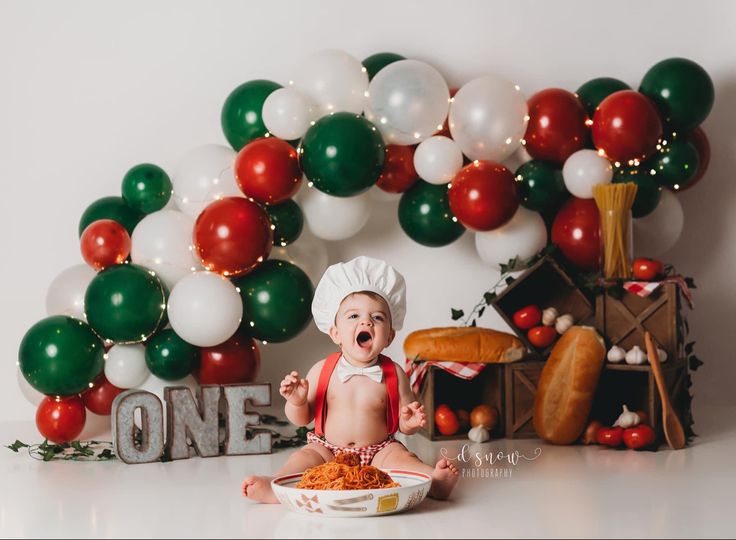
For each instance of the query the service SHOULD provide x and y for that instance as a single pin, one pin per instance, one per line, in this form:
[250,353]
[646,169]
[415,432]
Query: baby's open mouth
[365,340]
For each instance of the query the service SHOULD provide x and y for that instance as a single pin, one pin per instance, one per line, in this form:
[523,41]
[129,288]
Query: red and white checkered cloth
[645,288]
[417,370]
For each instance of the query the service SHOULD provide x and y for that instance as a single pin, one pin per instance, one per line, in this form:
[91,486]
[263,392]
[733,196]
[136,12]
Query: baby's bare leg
[258,488]
[396,456]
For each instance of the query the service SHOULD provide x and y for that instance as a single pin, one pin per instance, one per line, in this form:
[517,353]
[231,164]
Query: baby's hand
[294,389]
[413,416]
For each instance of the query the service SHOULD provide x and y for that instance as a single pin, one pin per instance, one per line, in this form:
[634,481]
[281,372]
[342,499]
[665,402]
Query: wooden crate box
[624,321]
[636,387]
[440,387]
[545,284]
[521,381]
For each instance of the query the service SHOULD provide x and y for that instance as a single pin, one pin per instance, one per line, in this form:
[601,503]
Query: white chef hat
[360,274]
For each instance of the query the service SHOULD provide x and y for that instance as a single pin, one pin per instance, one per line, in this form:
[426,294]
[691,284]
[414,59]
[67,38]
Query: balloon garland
[186,272]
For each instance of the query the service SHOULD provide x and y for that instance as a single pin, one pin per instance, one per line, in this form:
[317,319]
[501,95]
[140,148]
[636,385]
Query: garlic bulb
[636,356]
[549,316]
[616,354]
[479,434]
[627,419]
[563,323]
[662,355]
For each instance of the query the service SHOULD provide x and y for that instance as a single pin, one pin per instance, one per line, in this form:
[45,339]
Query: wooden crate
[520,382]
[440,387]
[623,321]
[636,387]
[545,285]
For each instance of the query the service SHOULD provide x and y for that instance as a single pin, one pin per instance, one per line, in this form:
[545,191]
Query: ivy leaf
[106,454]
[17,445]
[473,323]
[510,280]
[689,348]
[690,282]
[509,266]
[695,363]
[489,297]
[457,313]
[481,311]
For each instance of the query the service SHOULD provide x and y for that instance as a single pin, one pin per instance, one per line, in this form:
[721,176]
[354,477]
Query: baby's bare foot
[444,478]
[258,488]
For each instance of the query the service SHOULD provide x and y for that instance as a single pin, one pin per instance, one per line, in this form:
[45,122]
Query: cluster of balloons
[185,273]
[176,290]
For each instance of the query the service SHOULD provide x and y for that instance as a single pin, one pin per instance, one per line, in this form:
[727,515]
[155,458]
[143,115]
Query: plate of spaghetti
[345,488]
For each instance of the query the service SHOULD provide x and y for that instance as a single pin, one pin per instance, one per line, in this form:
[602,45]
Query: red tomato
[610,436]
[647,269]
[542,336]
[639,437]
[446,420]
[528,317]
[61,419]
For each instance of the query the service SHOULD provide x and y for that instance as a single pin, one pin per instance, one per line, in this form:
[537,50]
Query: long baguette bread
[567,385]
[463,345]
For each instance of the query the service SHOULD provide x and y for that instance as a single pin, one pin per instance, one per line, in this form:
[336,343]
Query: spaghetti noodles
[343,473]
[614,203]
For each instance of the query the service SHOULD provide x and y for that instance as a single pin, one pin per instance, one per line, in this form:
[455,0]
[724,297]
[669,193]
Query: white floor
[566,492]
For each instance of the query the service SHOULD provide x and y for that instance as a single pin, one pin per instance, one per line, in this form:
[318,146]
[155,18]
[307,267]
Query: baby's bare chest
[357,392]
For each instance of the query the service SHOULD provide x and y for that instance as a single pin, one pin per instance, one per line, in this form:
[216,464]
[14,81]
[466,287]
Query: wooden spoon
[673,432]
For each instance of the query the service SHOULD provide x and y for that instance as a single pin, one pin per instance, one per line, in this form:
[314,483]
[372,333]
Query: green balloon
[277,300]
[241,116]
[60,356]
[376,62]
[596,90]
[169,357]
[147,188]
[675,164]
[648,191]
[682,90]
[288,220]
[114,208]
[541,185]
[425,215]
[343,154]
[125,303]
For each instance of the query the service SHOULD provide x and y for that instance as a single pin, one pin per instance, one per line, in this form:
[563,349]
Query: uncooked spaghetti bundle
[345,472]
[614,203]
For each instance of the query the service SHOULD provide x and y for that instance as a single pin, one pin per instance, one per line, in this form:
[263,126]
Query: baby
[359,304]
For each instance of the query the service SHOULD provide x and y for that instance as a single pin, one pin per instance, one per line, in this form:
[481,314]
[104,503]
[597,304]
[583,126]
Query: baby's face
[362,327]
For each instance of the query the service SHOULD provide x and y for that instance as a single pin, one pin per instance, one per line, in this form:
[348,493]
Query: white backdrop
[88,89]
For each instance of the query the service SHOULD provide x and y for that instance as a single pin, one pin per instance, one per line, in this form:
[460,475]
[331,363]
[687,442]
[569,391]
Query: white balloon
[488,118]
[380,196]
[33,396]
[333,80]
[585,169]
[408,101]
[65,295]
[205,309]
[156,386]
[335,218]
[125,365]
[523,236]
[438,159]
[162,242]
[308,252]
[96,427]
[517,159]
[288,113]
[202,176]
[658,232]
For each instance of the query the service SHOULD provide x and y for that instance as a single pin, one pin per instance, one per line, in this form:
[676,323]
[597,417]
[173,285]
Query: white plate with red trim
[412,490]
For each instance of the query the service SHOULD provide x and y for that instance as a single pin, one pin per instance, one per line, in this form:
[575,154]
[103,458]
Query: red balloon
[483,195]
[699,140]
[445,131]
[232,236]
[557,125]
[61,419]
[576,231]
[104,243]
[237,360]
[626,126]
[99,398]
[267,169]
[398,173]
